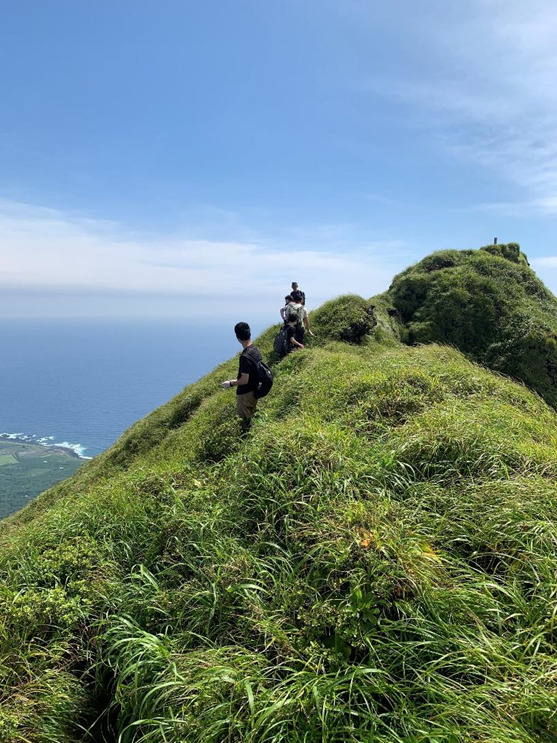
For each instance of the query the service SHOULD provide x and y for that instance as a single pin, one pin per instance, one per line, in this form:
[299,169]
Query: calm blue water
[85,382]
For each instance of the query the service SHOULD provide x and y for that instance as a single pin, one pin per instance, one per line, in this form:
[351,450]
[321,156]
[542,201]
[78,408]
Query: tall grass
[376,561]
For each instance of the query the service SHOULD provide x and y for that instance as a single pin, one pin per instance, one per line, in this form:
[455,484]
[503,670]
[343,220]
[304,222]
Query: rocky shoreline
[24,440]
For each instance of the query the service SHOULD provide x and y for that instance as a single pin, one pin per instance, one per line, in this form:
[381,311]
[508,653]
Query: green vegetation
[375,562]
[28,469]
[347,318]
[489,304]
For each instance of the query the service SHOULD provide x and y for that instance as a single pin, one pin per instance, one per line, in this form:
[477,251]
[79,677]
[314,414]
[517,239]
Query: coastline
[25,440]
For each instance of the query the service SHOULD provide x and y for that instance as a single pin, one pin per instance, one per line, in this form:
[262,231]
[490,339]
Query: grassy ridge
[376,562]
[490,305]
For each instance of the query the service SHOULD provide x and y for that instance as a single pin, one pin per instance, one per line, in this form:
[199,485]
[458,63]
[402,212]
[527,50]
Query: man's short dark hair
[294,283]
[292,318]
[296,296]
[288,298]
[243,331]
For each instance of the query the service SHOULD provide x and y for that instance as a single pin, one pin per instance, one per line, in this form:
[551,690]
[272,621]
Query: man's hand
[226,385]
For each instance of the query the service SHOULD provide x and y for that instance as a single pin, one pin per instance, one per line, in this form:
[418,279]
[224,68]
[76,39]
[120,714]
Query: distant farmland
[28,469]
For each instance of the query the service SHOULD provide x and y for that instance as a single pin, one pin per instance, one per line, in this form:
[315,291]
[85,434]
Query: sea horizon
[79,384]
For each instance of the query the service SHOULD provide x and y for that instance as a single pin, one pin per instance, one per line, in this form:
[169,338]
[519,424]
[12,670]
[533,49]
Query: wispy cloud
[546,268]
[547,261]
[486,90]
[527,208]
[49,253]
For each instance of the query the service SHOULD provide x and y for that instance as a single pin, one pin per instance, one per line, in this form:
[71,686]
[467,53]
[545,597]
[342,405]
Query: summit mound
[489,304]
[375,562]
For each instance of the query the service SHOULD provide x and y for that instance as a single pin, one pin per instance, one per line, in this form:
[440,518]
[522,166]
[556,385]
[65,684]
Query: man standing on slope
[300,292]
[246,382]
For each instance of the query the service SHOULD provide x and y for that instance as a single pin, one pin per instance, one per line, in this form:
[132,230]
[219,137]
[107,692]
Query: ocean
[81,384]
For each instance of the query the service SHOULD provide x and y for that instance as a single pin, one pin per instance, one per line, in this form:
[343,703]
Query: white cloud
[486,88]
[547,261]
[528,208]
[60,257]
[546,270]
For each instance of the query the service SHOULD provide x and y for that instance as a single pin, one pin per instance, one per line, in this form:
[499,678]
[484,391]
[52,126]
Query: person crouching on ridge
[246,381]
[285,310]
[298,309]
[292,343]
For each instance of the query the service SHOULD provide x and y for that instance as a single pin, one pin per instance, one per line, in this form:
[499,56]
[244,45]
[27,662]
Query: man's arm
[243,379]
[244,370]
[306,321]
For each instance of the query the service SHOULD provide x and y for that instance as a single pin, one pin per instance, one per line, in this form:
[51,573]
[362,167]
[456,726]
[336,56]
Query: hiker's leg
[245,407]
[300,334]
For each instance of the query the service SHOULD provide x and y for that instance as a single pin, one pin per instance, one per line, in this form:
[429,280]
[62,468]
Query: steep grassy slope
[376,561]
[490,305]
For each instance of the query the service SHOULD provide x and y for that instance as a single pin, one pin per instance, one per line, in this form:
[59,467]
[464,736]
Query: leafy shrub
[347,318]
[510,252]
[487,303]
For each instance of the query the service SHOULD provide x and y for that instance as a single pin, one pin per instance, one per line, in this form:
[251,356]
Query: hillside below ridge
[376,561]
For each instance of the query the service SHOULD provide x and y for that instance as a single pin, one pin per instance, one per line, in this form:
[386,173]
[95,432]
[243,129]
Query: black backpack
[264,380]
[280,344]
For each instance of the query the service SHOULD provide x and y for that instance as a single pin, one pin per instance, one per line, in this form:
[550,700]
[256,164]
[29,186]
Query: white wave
[79,449]
[47,441]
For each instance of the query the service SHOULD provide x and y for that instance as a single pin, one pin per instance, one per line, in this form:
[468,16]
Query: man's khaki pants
[245,407]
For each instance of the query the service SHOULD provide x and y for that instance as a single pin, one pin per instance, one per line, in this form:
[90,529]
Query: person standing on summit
[246,381]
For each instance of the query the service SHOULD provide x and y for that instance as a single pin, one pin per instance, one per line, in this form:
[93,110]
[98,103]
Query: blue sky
[176,157]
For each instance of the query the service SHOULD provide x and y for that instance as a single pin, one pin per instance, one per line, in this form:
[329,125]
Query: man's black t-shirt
[249,359]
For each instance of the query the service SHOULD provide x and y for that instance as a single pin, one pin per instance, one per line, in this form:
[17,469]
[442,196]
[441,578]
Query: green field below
[28,469]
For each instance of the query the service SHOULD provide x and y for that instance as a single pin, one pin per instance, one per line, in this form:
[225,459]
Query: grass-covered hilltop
[497,312]
[376,562]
